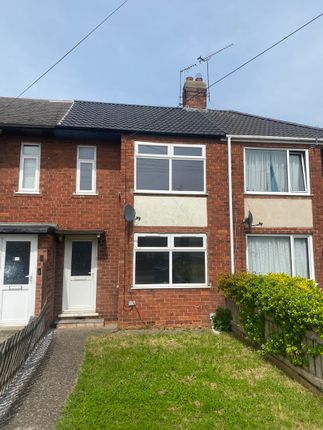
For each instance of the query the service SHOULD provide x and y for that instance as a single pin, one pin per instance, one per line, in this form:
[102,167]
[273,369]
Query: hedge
[295,304]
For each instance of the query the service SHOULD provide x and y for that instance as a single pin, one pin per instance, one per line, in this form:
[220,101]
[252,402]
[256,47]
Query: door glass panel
[81,258]
[17,263]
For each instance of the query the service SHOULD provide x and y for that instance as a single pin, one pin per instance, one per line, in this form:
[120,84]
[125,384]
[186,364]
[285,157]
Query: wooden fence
[15,350]
[311,374]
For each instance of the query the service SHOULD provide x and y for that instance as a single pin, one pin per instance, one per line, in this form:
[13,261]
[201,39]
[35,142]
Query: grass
[184,380]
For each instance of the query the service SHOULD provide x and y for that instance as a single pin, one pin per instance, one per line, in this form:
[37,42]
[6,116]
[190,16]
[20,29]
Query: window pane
[188,175]
[29,174]
[86,176]
[152,268]
[30,150]
[17,263]
[188,241]
[152,174]
[296,165]
[188,150]
[152,241]
[266,171]
[86,153]
[188,267]
[269,255]
[81,258]
[152,149]
[301,257]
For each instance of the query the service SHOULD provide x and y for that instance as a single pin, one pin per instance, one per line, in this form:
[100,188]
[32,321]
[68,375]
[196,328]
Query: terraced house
[213,191]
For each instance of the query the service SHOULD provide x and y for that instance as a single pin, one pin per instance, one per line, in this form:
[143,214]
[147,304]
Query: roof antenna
[206,60]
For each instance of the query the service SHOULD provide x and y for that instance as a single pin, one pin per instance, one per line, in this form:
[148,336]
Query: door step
[79,322]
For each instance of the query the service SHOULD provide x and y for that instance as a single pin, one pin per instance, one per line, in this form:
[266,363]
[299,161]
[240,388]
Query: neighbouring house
[213,191]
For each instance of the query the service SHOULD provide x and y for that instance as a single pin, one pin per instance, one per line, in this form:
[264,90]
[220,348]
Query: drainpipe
[232,265]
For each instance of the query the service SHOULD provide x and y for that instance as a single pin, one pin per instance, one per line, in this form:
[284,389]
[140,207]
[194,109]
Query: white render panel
[287,213]
[176,211]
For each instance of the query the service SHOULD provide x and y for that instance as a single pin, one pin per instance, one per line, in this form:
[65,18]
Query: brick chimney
[194,93]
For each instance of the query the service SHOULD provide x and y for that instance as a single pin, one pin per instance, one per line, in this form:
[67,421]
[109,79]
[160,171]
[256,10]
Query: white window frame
[23,157]
[170,156]
[169,248]
[281,193]
[78,175]
[291,239]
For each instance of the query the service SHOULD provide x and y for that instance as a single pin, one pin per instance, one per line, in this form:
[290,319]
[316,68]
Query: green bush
[222,319]
[296,305]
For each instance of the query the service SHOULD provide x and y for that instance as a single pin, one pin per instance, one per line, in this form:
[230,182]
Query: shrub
[222,319]
[296,305]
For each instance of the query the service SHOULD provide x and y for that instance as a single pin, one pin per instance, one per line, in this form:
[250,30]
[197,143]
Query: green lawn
[184,380]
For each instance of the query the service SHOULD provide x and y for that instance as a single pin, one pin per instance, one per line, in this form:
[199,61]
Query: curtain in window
[269,255]
[29,173]
[301,258]
[296,162]
[266,170]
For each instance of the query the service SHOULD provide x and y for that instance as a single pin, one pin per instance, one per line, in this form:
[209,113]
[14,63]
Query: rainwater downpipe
[231,227]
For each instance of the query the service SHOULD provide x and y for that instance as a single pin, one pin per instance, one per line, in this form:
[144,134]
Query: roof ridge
[36,99]
[66,113]
[128,104]
[266,118]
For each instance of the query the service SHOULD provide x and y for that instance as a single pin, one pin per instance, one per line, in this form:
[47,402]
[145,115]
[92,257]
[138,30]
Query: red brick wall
[46,268]
[183,306]
[316,196]
[57,204]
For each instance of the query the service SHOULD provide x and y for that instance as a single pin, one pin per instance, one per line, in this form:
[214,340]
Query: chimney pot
[189,78]
[199,77]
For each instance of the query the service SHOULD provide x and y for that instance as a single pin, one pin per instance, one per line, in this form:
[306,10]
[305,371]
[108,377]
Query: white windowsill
[167,287]
[260,193]
[172,193]
[28,192]
[85,194]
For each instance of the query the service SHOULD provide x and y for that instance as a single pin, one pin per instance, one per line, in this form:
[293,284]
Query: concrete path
[42,403]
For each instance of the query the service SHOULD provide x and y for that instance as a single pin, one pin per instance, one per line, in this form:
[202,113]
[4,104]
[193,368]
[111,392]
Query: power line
[73,48]
[265,50]
[164,115]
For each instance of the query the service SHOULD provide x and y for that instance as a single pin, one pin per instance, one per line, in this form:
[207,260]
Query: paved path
[42,403]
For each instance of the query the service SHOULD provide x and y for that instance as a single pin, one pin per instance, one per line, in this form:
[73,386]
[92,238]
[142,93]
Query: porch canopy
[27,228]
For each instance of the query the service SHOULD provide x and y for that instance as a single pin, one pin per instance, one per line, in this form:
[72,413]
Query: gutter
[260,139]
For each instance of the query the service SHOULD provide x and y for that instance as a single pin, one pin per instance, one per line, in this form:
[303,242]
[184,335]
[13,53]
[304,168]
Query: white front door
[79,292]
[18,260]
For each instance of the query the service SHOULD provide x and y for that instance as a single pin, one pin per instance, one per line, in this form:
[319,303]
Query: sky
[137,55]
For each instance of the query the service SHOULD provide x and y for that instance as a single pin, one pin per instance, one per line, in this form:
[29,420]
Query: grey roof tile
[145,119]
[32,112]
[150,119]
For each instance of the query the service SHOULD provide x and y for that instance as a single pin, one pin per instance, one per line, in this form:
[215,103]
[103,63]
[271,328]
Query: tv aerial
[201,60]
[129,213]
[206,60]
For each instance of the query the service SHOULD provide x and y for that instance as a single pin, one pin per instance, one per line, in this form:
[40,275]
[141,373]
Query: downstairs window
[280,254]
[170,261]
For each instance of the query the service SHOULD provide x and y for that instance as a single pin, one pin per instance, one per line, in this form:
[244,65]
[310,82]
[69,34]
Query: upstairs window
[29,168]
[276,171]
[86,170]
[170,261]
[170,168]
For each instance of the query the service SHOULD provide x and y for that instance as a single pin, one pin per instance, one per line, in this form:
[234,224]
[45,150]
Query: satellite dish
[249,220]
[129,213]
